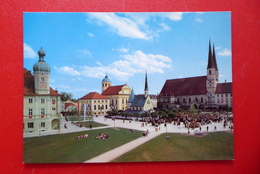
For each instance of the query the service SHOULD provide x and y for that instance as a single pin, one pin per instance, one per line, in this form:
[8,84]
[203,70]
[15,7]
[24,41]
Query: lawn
[63,148]
[214,146]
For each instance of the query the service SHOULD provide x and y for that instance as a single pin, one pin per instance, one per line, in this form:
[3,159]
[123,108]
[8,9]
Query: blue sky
[82,47]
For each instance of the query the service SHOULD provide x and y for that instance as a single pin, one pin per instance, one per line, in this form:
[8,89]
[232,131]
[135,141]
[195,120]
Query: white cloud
[85,52]
[28,52]
[175,16]
[121,25]
[99,63]
[131,64]
[124,50]
[90,34]
[165,27]
[68,70]
[199,20]
[225,52]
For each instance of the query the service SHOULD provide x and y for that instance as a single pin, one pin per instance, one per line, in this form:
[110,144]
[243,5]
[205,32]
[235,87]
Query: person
[207,128]
[90,126]
[65,126]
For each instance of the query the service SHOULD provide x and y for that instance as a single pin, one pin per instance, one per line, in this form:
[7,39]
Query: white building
[42,104]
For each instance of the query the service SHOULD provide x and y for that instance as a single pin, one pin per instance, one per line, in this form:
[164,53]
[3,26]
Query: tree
[65,96]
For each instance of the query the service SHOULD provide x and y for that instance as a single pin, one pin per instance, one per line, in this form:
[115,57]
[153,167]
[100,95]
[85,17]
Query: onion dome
[106,79]
[41,65]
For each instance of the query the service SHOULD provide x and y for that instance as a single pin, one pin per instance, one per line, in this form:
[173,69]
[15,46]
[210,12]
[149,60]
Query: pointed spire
[214,58]
[132,96]
[146,85]
[210,58]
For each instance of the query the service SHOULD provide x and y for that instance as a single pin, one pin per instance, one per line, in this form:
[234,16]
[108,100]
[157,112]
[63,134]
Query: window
[53,101]
[30,100]
[95,107]
[30,125]
[42,79]
[53,109]
[42,100]
[42,124]
[42,111]
[30,111]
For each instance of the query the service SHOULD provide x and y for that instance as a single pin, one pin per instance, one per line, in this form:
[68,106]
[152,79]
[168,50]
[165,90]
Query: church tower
[106,82]
[212,75]
[41,75]
[146,90]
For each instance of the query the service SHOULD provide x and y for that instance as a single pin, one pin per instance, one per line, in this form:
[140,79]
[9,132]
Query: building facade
[95,103]
[118,95]
[142,102]
[42,104]
[204,92]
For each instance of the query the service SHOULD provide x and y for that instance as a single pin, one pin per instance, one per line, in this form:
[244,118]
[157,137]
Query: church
[203,92]
[42,104]
[142,103]
[117,95]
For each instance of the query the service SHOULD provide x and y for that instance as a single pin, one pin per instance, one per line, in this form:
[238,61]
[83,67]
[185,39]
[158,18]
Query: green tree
[65,96]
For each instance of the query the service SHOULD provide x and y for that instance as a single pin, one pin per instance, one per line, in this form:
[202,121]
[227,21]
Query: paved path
[114,153]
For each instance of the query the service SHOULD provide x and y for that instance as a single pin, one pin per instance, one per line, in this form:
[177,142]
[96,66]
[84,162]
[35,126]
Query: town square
[145,106]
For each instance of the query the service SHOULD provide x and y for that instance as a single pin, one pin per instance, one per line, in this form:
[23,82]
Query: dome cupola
[41,65]
[106,79]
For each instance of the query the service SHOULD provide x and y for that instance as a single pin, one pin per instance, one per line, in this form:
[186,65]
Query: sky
[81,48]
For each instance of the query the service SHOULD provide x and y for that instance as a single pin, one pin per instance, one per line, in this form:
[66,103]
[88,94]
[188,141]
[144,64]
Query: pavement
[136,125]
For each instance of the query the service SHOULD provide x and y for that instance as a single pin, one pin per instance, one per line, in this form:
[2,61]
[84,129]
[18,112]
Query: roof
[131,97]
[106,79]
[139,101]
[69,104]
[224,88]
[29,85]
[185,86]
[93,95]
[113,90]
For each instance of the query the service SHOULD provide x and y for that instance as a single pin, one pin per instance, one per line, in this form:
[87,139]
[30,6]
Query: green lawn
[214,146]
[63,148]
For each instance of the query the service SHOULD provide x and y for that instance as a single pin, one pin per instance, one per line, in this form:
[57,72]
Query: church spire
[210,58]
[214,58]
[146,85]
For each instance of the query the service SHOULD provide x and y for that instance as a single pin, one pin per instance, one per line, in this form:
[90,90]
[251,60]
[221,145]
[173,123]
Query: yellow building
[96,103]
[118,95]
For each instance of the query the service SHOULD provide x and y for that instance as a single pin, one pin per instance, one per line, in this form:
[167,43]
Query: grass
[214,146]
[63,148]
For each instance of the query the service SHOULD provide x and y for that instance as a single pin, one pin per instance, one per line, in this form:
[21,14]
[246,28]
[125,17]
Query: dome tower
[41,71]
[106,82]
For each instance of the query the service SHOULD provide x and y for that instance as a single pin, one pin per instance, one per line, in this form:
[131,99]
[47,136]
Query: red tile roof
[29,85]
[223,88]
[69,104]
[93,95]
[113,90]
[185,86]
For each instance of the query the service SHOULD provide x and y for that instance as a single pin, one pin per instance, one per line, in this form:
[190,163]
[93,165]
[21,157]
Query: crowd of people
[81,136]
[103,136]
